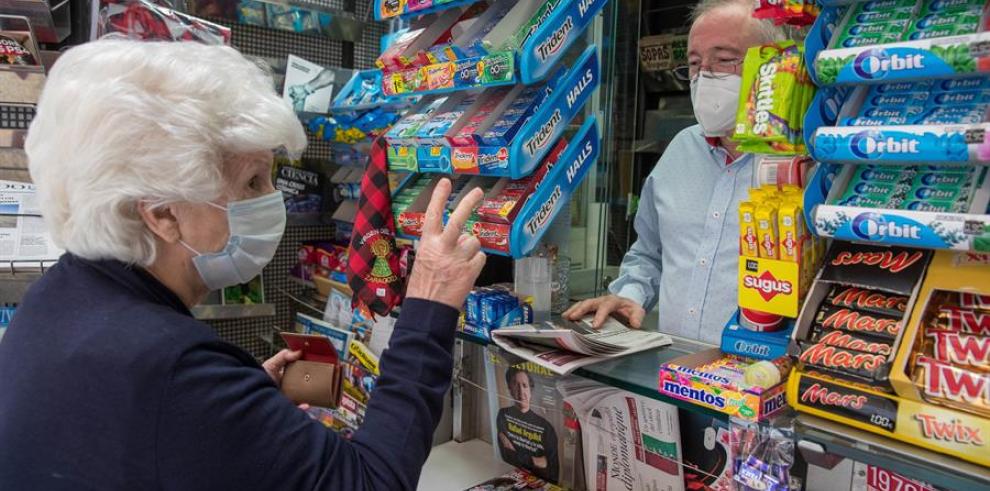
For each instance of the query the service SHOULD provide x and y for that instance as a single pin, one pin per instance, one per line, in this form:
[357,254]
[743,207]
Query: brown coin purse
[316,378]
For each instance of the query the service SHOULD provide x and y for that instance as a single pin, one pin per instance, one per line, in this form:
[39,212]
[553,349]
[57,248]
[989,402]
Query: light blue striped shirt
[685,258]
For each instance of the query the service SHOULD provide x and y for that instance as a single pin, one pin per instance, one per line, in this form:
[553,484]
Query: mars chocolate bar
[867,300]
[855,321]
[856,364]
[846,340]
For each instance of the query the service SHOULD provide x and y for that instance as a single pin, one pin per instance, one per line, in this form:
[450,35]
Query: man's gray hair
[769,33]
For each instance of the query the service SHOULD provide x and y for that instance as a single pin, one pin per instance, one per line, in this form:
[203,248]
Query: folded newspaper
[563,346]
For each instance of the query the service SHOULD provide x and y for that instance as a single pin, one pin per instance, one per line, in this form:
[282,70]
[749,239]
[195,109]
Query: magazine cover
[515,480]
[708,459]
[532,427]
[630,442]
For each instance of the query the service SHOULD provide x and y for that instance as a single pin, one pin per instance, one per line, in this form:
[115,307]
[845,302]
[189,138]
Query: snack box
[940,429]
[516,19]
[425,32]
[968,343]
[680,379]
[503,203]
[513,40]
[839,330]
[462,132]
[519,109]
[468,45]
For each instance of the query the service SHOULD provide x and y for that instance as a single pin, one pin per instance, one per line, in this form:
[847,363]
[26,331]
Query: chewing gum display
[947,189]
[504,129]
[881,22]
[943,102]
[775,94]
[463,132]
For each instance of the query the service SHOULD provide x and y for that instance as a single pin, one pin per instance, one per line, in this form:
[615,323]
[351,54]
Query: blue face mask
[256,228]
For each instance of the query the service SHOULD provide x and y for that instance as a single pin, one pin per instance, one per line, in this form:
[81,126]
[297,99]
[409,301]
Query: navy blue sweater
[107,382]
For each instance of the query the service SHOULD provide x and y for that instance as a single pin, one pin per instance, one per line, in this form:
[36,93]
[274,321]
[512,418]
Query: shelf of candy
[933,391]
[483,45]
[363,92]
[928,121]
[298,16]
[147,21]
[359,113]
[917,206]
[492,307]
[792,12]
[879,41]
[500,131]
[515,213]
[407,9]
[745,388]
[775,94]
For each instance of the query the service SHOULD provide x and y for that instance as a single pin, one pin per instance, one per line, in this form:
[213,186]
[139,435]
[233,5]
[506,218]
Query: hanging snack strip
[776,92]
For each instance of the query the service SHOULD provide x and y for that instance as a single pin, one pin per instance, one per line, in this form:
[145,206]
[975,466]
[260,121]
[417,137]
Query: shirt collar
[716,147]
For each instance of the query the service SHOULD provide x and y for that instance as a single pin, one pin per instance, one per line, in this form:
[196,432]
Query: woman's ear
[161,221]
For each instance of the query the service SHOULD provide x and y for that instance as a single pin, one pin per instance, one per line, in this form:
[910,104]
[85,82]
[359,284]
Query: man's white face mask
[716,100]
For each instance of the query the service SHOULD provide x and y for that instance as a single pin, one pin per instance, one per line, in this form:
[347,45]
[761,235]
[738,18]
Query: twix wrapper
[959,319]
[974,301]
[960,349]
[951,386]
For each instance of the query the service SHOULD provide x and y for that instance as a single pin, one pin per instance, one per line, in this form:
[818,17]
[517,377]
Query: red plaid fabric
[373,262]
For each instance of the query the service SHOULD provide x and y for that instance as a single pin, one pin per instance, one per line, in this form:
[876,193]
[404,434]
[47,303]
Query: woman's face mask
[715,101]
[256,228]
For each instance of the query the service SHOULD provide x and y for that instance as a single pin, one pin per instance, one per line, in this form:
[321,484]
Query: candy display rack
[533,61]
[405,9]
[521,236]
[532,142]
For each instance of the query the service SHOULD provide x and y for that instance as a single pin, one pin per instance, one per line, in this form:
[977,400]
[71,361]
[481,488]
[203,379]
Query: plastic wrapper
[763,457]
[146,21]
[867,300]
[775,94]
[845,362]
[885,327]
[952,386]
[845,340]
[970,351]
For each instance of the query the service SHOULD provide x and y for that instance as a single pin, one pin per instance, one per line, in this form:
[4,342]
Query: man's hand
[604,306]
[275,366]
[447,262]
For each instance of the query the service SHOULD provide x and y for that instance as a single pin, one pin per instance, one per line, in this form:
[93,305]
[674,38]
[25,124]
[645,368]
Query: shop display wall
[277,45]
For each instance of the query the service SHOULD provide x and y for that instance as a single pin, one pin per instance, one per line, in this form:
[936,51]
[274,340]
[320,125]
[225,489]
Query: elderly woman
[153,163]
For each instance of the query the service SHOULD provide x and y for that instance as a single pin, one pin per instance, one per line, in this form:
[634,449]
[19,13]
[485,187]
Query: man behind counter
[685,257]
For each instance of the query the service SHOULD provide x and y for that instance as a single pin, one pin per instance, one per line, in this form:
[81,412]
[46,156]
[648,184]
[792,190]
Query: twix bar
[963,320]
[961,349]
[974,301]
[952,386]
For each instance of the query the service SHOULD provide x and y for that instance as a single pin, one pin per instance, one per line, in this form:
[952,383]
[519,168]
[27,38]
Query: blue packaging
[512,120]
[972,83]
[898,99]
[906,112]
[898,87]
[961,97]
[868,121]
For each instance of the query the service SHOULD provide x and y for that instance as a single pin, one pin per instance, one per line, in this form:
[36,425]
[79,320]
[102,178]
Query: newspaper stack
[562,346]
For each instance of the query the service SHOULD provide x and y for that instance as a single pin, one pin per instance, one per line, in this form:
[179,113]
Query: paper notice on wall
[24,236]
[308,86]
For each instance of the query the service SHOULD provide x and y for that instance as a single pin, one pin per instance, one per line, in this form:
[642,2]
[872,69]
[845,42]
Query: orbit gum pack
[959,101]
[888,21]
[918,188]
[775,94]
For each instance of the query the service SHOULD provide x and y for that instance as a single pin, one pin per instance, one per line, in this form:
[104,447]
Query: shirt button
[692,311]
[715,214]
[704,261]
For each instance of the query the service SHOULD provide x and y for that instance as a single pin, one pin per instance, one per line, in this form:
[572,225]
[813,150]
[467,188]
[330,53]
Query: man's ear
[161,221]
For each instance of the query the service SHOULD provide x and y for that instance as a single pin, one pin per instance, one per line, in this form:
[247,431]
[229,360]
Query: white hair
[765,28]
[121,122]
